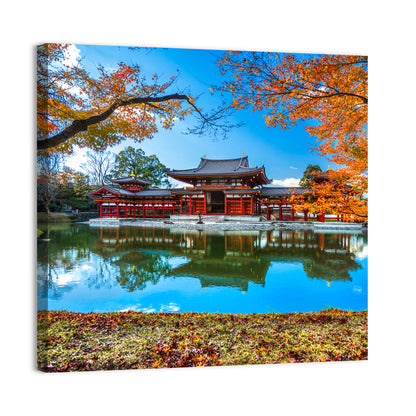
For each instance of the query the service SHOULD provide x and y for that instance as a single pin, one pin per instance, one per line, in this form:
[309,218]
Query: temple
[227,186]
[217,187]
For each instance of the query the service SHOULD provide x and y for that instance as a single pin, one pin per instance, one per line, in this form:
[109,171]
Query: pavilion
[217,187]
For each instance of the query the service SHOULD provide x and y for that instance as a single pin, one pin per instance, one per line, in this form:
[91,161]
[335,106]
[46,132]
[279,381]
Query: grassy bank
[53,217]
[114,341]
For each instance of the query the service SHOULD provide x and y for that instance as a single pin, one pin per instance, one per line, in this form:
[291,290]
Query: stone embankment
[85,216]
[227,223]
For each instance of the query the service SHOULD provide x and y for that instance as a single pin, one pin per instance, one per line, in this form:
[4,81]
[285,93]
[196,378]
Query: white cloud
[75,160]
[362,254]
[178,184]
[292,167]
[172,307]
[71,56]
[71,89]
[286,182]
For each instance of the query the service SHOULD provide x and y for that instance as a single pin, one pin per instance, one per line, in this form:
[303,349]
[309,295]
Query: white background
[384,31]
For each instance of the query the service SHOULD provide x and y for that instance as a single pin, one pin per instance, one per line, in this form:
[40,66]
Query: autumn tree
[132,161]
[73,189]
[327,91]
[75,108]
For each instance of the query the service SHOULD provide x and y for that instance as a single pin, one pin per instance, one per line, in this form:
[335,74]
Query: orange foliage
[328,90]
[67,93]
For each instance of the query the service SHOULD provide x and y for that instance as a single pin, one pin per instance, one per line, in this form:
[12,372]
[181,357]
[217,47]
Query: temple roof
[186,191]
[220,167]
[131,179]
[154,192]
[282,191]
[145,192]
[113,189]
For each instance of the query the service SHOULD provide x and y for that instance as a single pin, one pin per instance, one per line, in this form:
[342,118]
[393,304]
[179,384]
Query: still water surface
[93,269]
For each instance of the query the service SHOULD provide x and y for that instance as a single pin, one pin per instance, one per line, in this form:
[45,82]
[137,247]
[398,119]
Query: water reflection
[227,258]
[134,259]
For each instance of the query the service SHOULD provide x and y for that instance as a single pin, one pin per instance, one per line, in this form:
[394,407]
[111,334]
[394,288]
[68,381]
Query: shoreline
[230,225]
[69,341]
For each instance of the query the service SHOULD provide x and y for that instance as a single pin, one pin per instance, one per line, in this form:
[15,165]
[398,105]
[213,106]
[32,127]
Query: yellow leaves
[158,363]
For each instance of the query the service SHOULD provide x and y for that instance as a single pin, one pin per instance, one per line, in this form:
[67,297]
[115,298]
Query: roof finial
[244,154]
[204,156]
[132,174]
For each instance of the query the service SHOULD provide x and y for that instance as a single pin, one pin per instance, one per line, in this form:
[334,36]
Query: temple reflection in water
[85,269]
[225,258]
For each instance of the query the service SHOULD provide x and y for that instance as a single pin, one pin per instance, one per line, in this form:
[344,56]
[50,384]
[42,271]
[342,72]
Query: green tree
[132,161]
[305,180]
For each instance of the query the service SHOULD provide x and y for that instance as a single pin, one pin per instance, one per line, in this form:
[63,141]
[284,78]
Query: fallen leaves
[106,341]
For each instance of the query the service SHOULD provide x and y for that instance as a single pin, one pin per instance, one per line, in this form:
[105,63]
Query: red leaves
[193,352]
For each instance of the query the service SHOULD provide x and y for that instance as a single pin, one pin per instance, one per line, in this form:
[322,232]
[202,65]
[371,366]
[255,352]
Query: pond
[108,269]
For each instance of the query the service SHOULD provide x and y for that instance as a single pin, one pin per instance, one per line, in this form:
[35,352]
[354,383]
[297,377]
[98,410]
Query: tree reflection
[135,270]
[133,257]
[227,258]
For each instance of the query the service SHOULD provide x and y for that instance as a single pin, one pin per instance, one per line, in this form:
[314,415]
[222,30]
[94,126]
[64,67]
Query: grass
[131,340]
[53,217]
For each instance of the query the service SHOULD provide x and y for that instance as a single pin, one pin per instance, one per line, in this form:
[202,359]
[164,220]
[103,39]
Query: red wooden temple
[217,187]
[227,187]
[130,200]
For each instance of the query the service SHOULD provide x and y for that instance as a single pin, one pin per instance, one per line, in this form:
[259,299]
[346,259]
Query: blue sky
[284,153]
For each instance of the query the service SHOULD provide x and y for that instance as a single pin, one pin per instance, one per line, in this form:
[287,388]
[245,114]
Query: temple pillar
[117,211]
[321,241]
[101,210]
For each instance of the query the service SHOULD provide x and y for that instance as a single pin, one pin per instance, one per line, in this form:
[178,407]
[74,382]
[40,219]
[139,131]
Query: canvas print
[200,207]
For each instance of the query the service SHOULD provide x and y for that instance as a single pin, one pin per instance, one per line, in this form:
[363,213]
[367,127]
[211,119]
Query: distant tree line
[60,188]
